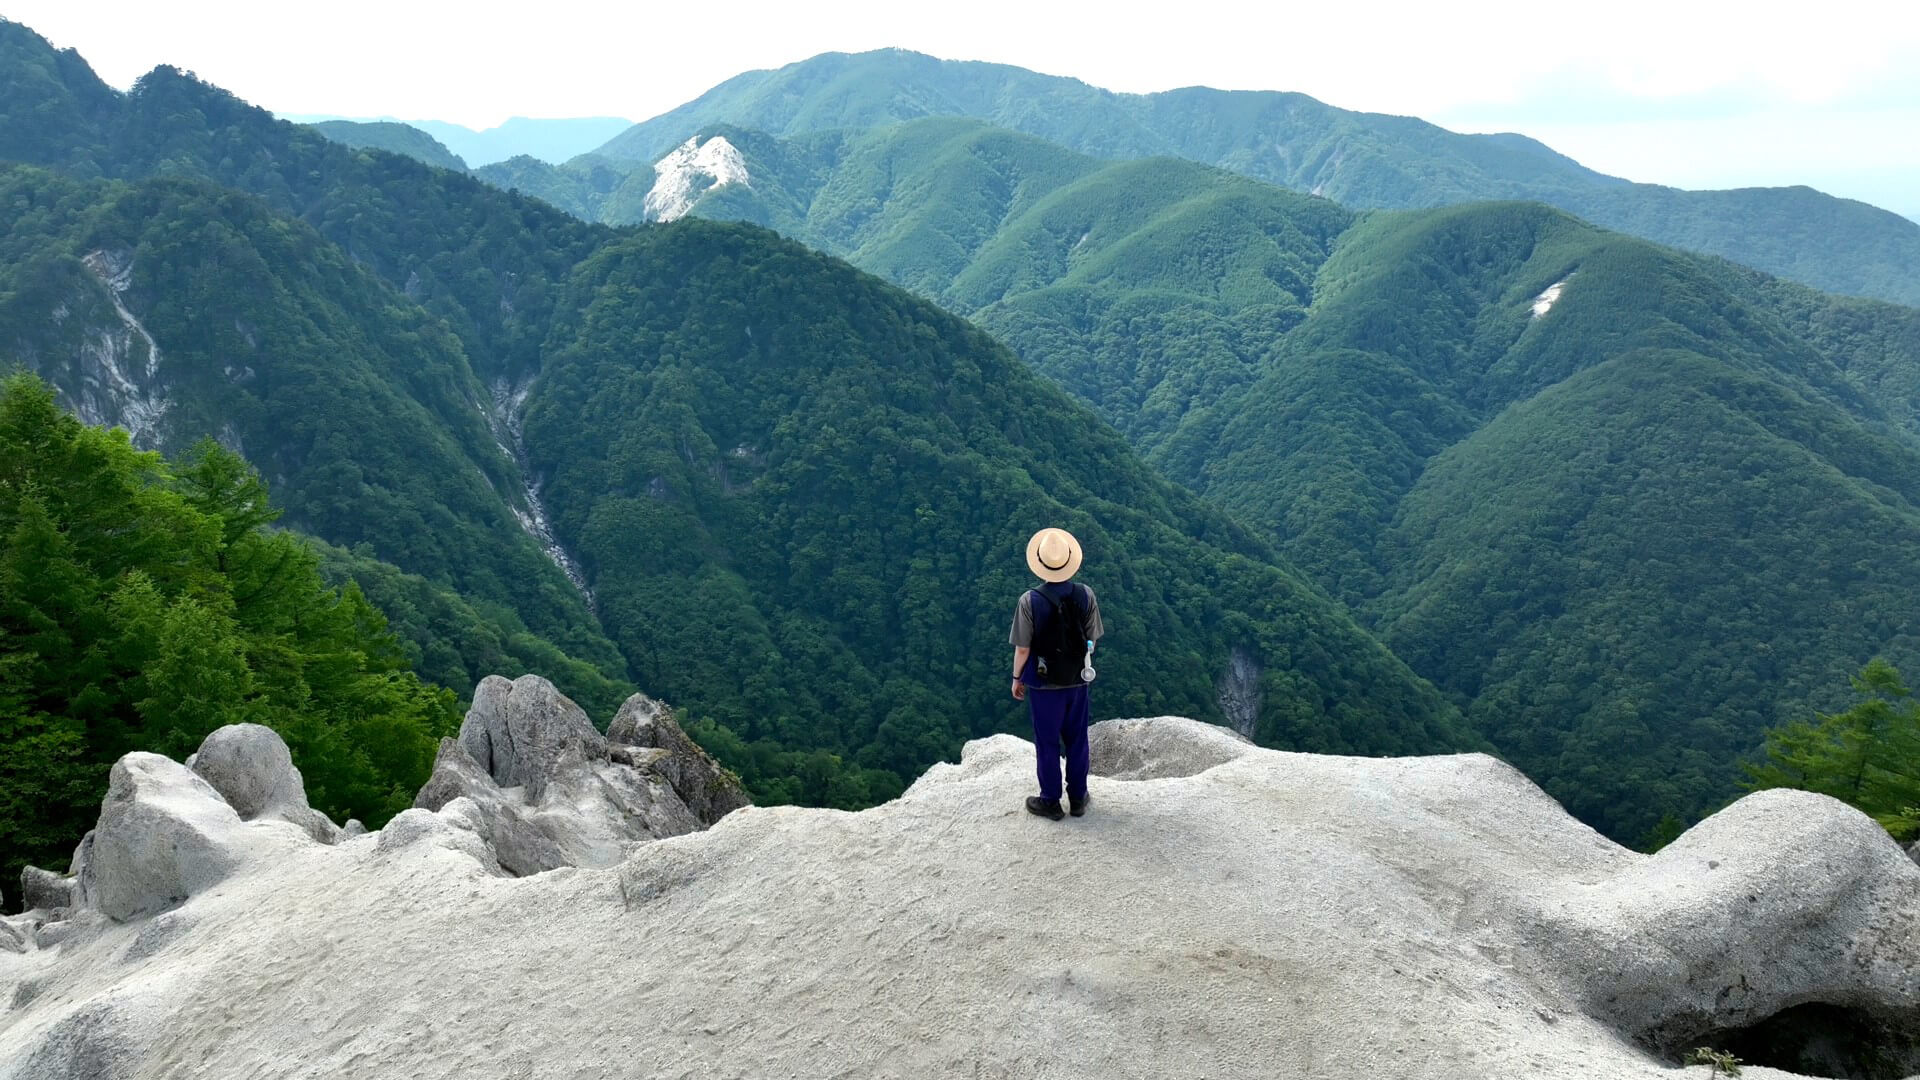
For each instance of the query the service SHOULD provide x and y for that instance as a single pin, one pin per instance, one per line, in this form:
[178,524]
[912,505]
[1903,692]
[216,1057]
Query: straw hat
[1053,555]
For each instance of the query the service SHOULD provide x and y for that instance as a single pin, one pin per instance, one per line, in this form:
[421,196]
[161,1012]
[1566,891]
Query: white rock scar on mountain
[506,416]
[1545,301]
[124,402]
[693,169]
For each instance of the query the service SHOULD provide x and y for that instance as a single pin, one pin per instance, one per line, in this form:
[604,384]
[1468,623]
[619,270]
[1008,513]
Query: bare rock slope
[1227,911]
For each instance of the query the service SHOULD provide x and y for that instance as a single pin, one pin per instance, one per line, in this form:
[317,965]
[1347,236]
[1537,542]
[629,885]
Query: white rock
[1162,746]
[1269,915]
[1548,297]
[456,832]
[164,834]
[690,171]
[547,790]
[708,789]
[526,732]
[250,766]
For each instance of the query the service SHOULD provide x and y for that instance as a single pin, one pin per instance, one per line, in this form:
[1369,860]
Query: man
[1054,628]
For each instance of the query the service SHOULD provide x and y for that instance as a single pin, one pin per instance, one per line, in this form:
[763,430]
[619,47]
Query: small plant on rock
[1719,1063]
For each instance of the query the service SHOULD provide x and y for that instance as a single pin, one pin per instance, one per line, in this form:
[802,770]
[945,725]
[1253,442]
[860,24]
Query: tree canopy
[145,603]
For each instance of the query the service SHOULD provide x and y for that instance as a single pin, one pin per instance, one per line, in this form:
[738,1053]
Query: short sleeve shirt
[1021,636]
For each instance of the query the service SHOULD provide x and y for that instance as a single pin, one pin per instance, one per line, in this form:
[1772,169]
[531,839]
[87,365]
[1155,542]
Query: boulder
[78,925]
[45,890]
[164,834]
[525,732]
[1914,852]
[708,789]
[250,766]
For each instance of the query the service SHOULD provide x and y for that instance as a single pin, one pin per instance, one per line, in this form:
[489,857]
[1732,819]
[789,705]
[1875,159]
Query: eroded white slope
[690,171]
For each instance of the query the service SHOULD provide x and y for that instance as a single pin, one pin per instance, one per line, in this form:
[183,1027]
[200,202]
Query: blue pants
[1060,716]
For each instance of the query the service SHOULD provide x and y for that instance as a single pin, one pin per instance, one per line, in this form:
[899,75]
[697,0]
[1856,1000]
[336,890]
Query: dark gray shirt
[1022,635]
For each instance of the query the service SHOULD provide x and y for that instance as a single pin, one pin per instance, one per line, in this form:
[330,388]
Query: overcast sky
[1694,94]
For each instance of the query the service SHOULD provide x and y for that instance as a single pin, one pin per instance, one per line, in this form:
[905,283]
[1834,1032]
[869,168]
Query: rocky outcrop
[526,732]
[708,789]
[1730,904]
[545,790]
[1233,912]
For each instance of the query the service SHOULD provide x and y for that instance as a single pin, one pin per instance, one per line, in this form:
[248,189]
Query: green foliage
[142,605]
[454,640]
[1359,159]
[394,138]
[801,496]
[1867,756]
[1664,832]
[590,188]
[1718,1063]
[363,406]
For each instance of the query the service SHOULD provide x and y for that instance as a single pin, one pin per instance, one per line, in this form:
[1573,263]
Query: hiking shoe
[1046,808]
[1078,807]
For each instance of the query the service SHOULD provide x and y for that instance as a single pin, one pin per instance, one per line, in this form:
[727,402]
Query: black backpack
[1060,638]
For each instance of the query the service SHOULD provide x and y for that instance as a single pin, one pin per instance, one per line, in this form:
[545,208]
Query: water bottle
[1086,666]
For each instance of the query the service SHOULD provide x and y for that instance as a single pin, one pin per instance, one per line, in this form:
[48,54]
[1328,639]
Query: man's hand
[1019,690]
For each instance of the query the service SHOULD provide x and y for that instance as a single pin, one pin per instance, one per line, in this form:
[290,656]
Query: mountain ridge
[1362,159]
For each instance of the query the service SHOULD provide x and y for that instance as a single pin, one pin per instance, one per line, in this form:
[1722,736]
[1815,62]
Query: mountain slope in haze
[393,137]
[546,139]
[1359,159]
[763,464]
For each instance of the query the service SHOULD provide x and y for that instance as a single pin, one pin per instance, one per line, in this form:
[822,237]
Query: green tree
[142,606]
[1867,756]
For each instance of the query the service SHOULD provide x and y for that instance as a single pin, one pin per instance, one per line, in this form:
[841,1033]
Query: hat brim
[1042,570]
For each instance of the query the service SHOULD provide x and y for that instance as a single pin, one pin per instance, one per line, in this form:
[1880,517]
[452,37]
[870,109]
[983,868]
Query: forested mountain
[589,187]
[1627,504]
[1377,394]
[1627,507]
[1357,159]
[796,495]
[393,137]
